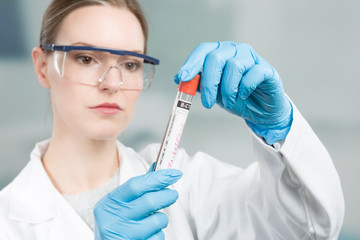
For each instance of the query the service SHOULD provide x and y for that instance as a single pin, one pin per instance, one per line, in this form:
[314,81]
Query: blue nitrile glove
[130,210]
[242,82]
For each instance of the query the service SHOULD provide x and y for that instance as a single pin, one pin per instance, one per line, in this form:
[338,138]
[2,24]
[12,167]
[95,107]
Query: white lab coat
[289,193]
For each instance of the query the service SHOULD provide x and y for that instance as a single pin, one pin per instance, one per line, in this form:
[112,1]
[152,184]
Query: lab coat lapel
[31,197]
[34,200]
[68,224]
[131,163]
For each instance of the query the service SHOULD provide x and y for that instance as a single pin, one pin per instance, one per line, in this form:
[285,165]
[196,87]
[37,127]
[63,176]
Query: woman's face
[75,105]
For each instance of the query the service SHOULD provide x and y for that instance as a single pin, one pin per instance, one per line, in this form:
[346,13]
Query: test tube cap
[191,86]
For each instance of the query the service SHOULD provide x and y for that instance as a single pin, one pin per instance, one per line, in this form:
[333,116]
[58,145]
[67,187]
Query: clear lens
[93,67]
[59,61]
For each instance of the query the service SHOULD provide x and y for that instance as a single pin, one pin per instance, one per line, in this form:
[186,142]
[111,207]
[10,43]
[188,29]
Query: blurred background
[314,45]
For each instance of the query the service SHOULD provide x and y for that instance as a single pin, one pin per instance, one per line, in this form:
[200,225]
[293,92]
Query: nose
[111,80]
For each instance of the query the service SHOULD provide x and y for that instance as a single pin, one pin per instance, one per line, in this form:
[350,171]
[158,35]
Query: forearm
[299,179]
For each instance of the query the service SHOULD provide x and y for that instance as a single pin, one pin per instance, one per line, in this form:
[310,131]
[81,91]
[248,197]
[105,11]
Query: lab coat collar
[33,199]
[132,164]
[33,196]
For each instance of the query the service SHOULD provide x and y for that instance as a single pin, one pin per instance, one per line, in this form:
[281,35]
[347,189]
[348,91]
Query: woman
[92,59]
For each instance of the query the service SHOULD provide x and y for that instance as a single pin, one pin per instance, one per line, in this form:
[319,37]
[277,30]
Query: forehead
[102,26]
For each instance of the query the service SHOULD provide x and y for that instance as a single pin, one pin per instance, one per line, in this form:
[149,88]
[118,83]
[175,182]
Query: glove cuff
[273,134]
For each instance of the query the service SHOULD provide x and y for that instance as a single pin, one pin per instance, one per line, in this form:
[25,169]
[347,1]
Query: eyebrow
[92,45]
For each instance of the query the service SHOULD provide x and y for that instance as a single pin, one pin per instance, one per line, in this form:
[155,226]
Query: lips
[107,108]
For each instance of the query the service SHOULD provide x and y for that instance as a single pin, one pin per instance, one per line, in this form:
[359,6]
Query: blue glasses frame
[68,48]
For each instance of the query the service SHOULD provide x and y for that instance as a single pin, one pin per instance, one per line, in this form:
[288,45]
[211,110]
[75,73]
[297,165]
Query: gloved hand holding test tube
[176,123]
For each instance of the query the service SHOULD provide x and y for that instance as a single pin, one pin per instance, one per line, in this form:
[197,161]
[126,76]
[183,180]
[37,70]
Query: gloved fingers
[138,186]
[122,228]
[155,201]
[253,78]
[230,82]
[151,168]
[151,225]
[194,63]
[214,64]
[97,235]
[146,204]
[235,68]
[157,236]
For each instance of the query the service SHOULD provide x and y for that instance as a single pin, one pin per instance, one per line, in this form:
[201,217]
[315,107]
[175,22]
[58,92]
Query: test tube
[176,124]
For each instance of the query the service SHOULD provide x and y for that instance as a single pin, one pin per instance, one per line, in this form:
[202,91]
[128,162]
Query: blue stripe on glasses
[67,48]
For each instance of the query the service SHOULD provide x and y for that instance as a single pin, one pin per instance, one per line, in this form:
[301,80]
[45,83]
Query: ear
[40,61]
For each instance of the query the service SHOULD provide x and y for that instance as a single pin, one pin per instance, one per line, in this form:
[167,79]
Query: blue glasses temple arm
[67,48]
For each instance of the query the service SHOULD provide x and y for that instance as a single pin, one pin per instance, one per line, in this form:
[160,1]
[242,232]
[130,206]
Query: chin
[102,130]
[104,133]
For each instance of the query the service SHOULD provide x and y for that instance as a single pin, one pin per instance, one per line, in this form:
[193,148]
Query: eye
[131,66]
[86,60]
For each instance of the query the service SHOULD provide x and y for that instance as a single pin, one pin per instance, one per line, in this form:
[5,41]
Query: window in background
[11,34]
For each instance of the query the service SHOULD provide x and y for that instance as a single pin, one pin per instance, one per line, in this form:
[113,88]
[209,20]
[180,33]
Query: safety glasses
[91,65]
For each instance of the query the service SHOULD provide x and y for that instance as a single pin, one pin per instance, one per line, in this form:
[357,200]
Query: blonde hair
[59,9]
